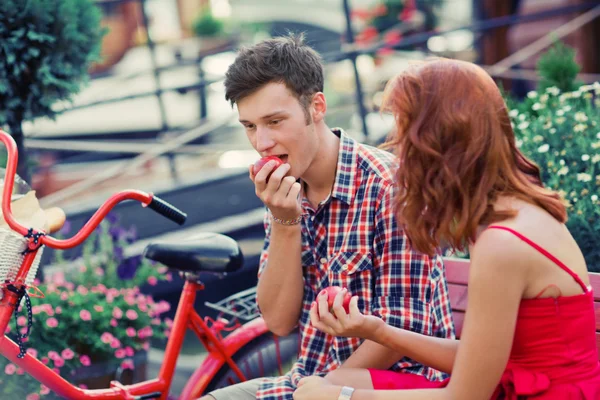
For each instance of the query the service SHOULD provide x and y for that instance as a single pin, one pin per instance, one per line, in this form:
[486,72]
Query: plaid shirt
[352,240]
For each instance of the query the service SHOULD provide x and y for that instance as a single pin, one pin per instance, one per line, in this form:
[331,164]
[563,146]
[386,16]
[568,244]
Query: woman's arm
[497,280]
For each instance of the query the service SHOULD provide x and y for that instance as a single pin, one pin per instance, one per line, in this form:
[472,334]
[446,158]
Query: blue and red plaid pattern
[352,240]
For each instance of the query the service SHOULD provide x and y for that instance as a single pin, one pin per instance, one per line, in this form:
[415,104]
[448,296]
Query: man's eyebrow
[268,116]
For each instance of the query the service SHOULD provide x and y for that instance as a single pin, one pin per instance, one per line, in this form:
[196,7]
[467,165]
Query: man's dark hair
[286,60]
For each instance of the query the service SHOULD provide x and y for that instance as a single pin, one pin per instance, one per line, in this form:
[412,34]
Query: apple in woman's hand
[332,291]
[261,163]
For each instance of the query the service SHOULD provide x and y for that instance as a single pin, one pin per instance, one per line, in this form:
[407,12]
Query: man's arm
[280,284]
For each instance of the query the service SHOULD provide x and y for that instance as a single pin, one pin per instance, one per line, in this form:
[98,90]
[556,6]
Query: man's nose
[264,140]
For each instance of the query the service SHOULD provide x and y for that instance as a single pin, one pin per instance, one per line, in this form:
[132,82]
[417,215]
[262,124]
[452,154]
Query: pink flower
[52,322]
[129,351]
[131,332]
[131,314]
[115,344]
[33,396]
[85,315]
[130,300]
[10,369]
[32,352]
[56,370]
[44,390]
[85,361]
[82,290]
[106,337]
[113,323]
[7,329]
[169,322]
[45,360]
[64,296]
[82,386]
[82,268]
[146,346]
[22,320]
[98,308]
[120,353]
[99,272]
[117,313]
[127,364]
[67,354]
[169,277]
[20,371]
[59,362]
[152,280]
[156,321]
[58,310]
[53,355]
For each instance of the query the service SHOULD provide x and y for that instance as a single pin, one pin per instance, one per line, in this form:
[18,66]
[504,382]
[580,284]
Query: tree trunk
[16,131]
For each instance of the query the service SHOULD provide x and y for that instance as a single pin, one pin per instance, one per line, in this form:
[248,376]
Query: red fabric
[390,380]
[554,354]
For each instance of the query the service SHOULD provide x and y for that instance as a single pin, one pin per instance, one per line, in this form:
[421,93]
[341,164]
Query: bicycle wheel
[267,355]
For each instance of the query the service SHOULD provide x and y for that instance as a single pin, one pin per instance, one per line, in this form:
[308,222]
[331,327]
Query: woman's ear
[318,107]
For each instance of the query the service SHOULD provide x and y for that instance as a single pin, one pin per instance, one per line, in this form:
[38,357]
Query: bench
[457,274]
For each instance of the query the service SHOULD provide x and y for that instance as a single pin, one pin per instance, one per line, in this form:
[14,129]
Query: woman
[529,330]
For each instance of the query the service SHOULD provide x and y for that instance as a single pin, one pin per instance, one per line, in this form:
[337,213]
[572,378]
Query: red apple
[332,291]
[261,163]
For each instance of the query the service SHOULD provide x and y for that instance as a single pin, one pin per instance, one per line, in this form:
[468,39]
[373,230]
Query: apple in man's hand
[261,163]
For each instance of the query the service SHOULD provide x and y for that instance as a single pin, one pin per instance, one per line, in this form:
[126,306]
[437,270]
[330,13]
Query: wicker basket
[13,245]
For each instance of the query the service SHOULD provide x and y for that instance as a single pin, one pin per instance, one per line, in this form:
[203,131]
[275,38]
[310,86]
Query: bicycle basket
[12,246]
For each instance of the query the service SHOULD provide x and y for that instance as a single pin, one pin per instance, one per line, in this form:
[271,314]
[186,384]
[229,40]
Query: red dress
[554,354]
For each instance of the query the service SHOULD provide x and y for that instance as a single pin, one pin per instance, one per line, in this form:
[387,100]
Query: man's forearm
[372,355]
[281,286]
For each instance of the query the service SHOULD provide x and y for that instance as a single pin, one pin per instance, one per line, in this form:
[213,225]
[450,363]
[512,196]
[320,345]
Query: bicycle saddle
[205,252]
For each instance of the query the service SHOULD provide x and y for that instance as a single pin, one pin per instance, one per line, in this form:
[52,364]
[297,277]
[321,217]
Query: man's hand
[280,193]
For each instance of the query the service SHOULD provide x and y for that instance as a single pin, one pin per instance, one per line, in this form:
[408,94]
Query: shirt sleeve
[403,285]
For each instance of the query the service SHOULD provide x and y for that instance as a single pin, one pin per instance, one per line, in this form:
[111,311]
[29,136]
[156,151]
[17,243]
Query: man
[329,222]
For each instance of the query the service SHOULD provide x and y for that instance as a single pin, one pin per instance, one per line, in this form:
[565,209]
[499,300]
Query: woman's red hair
[457,154]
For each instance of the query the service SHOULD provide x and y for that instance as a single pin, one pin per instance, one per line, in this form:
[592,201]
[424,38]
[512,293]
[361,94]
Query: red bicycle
[248,352]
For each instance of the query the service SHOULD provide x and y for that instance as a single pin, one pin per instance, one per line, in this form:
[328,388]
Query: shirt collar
[344,186]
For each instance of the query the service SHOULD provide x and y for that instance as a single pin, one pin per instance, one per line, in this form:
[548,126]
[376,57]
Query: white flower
[580,127]
[544,148]
[560,120]
[544,98]
[567,108]
[519,143]
[576,94]
[595,158]
[538,138]
[583,177]
[536,106]
[594,198]
[596,145]
[532,94]
[560,113]
[598,135]
[548,125]
[513,113]
[523,125]
[553,90]
[552,131]
[585,157]
[580,117]
[562,162]
[563,171]
[521,117]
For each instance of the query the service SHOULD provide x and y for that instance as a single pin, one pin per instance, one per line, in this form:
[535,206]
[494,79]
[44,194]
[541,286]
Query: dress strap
[545,253]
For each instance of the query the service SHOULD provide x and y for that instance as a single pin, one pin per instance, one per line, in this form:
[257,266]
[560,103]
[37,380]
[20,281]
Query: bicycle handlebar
[147,199]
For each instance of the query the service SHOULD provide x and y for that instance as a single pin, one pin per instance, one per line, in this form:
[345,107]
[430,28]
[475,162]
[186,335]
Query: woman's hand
[340,323]
[316,388]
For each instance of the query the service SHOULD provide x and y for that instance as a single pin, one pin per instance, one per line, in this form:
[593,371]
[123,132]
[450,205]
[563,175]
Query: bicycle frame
[185,317]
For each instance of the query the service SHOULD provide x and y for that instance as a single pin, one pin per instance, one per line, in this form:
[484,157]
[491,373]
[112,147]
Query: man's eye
[275,122]
[249,126]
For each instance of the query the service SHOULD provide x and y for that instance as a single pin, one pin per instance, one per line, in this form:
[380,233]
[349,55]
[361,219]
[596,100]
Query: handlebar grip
[167,210]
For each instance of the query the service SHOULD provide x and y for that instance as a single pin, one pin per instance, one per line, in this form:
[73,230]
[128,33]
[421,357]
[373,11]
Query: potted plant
[47,48]
[94,324]
[559,129]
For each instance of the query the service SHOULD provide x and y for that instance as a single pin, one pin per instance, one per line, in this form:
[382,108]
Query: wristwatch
[346,393]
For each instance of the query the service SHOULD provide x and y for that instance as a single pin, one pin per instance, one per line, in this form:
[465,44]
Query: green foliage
[561,133]
[207,25]
[46,47]
[93,317]
[558,68]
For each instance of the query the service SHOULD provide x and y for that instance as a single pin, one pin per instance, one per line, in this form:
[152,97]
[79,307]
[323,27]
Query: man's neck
[320,176]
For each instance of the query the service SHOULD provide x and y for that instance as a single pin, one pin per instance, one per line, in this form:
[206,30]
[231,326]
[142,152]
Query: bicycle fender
[200,379]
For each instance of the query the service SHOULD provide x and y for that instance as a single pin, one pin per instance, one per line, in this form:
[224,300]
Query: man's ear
[318,107]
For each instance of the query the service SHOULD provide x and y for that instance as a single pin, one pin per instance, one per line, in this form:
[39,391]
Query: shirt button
[323,260]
